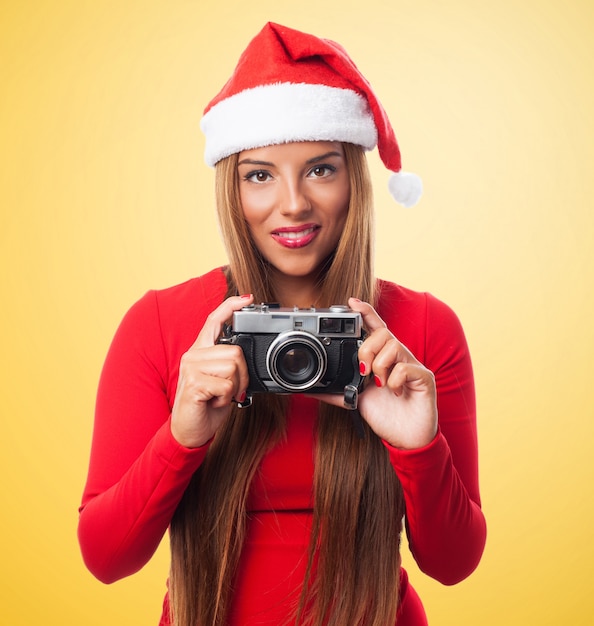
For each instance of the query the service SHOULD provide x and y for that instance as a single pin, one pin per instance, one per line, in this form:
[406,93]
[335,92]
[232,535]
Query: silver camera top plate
[335,322]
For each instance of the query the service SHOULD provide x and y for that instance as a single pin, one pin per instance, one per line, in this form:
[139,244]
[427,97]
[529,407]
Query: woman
[284,512]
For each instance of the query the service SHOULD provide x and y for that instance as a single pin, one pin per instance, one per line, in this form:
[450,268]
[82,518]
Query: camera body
[299,350]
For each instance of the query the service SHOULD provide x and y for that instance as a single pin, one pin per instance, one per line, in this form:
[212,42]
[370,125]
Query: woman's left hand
[401,406]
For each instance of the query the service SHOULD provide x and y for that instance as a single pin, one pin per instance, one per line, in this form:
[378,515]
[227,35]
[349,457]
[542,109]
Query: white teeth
[296,235]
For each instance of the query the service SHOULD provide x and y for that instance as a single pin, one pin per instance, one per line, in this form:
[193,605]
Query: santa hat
[291,86]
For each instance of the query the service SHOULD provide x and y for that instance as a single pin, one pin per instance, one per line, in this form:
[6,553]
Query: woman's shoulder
[417,318]
[396,299]
[163,323]
[209,287]
[179,308]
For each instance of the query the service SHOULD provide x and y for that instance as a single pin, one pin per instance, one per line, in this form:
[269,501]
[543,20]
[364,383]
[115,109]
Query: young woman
[285,512]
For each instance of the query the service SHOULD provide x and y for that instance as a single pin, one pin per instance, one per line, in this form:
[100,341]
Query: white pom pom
[405,188]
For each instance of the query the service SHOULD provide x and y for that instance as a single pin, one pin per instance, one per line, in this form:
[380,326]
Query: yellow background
[104,195]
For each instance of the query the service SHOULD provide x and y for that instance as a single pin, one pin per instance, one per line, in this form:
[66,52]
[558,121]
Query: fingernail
[356,300]
[246,295]
[242,396]
[377,381]
[362,368]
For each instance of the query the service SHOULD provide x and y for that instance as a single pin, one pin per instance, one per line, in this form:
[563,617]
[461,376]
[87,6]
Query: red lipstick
[296,236]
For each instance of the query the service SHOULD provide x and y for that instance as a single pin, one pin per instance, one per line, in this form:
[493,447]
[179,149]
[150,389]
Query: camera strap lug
[351,397]
[247,402]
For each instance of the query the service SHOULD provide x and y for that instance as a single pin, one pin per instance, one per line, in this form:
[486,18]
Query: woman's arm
[445,524]
[138,472]
[159,403]
[423,407]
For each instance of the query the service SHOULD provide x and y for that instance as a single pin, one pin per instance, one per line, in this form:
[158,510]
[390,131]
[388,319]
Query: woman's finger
[219,361]
[211,331]
[380,352]
[410,376]
[371,319]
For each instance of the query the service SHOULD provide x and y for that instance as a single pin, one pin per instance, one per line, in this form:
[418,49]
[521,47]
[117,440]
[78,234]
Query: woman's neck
[299,291]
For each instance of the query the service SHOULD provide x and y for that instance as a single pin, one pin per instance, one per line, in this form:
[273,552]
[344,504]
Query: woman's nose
[294,200]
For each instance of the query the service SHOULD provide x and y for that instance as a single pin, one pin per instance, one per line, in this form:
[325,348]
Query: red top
[138,472]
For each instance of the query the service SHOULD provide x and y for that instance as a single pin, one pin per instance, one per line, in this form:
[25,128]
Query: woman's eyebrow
[315,159]
[322,157]
[254,162]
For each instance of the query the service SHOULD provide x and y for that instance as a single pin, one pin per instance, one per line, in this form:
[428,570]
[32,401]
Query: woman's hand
[211,376]
[401,406]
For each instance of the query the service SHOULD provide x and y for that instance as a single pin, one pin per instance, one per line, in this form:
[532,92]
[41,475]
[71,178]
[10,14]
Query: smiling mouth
[295,237]
[294,234]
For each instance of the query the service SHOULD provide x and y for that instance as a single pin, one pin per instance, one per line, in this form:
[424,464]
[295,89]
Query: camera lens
[296,363]
[296,360]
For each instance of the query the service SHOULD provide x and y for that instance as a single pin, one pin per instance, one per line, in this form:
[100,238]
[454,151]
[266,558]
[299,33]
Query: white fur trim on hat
[285,112]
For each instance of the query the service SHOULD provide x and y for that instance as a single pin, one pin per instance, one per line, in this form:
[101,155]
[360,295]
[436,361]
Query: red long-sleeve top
[138,472]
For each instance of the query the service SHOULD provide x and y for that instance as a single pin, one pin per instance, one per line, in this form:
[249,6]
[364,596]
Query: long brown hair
[353,569]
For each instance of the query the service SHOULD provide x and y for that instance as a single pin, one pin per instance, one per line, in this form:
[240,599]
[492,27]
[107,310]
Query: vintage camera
[299,350]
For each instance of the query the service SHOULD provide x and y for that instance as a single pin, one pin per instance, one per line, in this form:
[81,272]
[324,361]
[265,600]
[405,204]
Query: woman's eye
[259,176]
[320,171]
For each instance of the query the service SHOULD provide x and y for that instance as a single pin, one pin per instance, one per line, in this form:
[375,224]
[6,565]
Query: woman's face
[295,201]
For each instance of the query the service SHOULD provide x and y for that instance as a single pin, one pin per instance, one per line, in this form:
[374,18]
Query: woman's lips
[296,236]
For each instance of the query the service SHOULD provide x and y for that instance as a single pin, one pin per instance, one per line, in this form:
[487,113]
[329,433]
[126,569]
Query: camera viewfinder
[330,325]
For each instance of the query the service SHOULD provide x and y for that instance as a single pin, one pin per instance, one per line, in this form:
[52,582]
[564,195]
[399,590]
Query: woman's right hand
[211,376]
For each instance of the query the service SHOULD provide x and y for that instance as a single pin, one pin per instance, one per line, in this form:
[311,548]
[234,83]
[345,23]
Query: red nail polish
[362,368]
[246,295]
[242,396]
[377,381]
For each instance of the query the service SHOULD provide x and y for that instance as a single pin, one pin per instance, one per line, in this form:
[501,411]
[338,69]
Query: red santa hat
[291,86]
